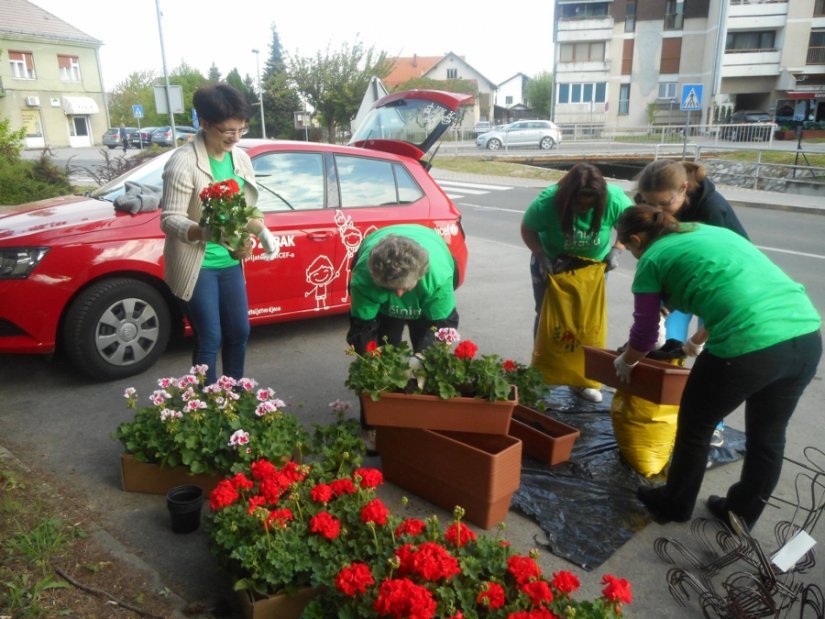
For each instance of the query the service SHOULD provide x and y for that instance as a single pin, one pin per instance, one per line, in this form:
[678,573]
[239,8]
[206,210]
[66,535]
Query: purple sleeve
[645,329]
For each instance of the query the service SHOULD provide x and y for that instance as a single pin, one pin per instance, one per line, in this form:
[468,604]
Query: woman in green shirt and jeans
[759,345]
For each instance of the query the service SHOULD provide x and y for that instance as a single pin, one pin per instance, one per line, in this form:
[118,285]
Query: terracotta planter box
[404,410]
[139,476]
[280,606]
[542,437]
[479,472]
[656,381]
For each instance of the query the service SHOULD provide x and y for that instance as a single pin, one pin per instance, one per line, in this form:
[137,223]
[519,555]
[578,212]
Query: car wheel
[116,328]
[547,143]
[494,144]
[111,147]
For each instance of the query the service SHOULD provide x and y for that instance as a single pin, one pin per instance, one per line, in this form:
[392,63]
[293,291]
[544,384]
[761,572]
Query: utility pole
[260,91]
[166,75]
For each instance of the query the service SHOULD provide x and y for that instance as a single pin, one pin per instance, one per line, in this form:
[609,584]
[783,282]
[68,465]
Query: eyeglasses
[232,133]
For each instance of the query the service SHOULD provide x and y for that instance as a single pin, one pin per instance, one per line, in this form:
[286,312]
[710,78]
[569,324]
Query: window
[584,10]
[22,65]
[369,182]
[674,14]
[582,52]
[758,40]
[582,93]
[667,90]
[508,100]
[819,8]
[630,17]
[69,67]
[624,99]
[671,53]
[289,181]
[816,47]
[452,74]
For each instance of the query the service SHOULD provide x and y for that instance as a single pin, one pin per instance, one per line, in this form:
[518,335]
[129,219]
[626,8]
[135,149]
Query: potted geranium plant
[447,386]
[208,429]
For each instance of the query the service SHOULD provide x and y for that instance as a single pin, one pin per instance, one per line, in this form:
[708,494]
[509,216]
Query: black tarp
[587,507]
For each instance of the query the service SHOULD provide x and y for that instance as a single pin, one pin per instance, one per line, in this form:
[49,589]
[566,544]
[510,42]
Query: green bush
[26,181]
[11,142]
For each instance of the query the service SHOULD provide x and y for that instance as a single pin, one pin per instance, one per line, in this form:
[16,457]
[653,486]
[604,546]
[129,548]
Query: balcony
[576,68]
[751,63]
[587,29]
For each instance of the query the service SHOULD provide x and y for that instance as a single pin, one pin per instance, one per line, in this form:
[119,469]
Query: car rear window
[371,182]
[289,181]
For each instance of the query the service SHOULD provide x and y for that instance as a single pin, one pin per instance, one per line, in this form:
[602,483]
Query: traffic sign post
[690,101]
[137,114]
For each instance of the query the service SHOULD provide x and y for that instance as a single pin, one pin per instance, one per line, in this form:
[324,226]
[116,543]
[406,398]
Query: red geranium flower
[326,524]
[539,591]
[565,582]
[523,569]
[492,596]
[372,346]
[342,486]
[322,493]
[375,511]
[354,579]
[370,478]
[411,526]
[509,365]
[466,350]
[459,534]
[223,495]
[279,518]
[617,589]
[402,598]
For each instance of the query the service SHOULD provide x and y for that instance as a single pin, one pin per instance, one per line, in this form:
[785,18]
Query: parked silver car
[536,133]
[162,136]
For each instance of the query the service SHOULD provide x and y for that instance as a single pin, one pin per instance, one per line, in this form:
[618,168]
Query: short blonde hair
[397,263]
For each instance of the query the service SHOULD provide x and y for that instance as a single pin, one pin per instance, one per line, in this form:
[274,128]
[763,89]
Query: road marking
[476,185]
[456,190]
[493,208]
[788,251]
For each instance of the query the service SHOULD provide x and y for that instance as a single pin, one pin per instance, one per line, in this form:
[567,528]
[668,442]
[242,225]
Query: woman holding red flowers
[207,276]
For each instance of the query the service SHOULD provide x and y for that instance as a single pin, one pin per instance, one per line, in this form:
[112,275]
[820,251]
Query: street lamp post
[260,91]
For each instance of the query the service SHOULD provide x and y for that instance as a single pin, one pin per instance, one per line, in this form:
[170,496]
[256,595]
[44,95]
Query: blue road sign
[137,111]
[691,99]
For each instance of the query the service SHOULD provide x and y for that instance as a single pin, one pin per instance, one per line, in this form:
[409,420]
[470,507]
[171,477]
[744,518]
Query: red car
[85,280]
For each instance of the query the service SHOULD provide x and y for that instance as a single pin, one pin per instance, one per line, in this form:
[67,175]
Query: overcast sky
[201,32]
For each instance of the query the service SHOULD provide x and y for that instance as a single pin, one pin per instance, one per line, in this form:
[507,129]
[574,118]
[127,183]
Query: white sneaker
[718,438]
[588,393]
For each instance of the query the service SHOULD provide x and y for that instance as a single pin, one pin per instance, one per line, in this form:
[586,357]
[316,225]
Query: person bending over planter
[760,344]
[572,219]
[683,189]
[402,275]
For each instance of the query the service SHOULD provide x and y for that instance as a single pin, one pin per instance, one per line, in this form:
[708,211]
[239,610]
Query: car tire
[547,143]
[494,144]
[111,147]
[116,328]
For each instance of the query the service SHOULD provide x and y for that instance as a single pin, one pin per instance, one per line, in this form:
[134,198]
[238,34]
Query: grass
[473,165]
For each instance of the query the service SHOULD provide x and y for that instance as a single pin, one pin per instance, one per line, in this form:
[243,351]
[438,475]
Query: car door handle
[319,236]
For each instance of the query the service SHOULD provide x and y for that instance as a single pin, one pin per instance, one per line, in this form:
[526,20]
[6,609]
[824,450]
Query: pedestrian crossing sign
[691,99]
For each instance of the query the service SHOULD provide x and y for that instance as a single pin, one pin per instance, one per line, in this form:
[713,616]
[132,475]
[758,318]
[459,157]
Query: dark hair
[668,175]
[651,221]
[582,180]
[216,103]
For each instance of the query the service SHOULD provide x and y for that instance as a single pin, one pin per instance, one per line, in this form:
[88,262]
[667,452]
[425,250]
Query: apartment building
[624,62]
[50,80]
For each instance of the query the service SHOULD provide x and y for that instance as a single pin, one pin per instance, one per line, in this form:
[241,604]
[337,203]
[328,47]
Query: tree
[334,84]
[136,89]
[189,79]
[214,74]
[539,94]
[280,103]
[275,63]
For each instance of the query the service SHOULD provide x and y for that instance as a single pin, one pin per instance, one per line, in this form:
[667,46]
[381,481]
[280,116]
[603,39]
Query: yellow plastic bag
[573,314]
[645,431]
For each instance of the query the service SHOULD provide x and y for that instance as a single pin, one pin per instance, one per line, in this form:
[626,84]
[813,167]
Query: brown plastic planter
[479,472]
[657,381]
[429,412]
[543,437]
[139,476]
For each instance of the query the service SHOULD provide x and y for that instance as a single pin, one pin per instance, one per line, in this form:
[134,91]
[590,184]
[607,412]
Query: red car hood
[54,220]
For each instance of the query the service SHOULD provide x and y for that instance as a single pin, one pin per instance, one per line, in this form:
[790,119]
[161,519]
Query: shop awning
[80,105]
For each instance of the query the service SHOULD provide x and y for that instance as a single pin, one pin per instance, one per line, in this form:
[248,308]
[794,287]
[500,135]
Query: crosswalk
[456,190]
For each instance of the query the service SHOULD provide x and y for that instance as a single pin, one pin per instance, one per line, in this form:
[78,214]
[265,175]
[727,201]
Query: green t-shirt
[433,297]
[542,216]
[217,256]
[746,301]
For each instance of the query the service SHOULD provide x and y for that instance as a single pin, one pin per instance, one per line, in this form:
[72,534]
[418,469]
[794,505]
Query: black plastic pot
[184,504]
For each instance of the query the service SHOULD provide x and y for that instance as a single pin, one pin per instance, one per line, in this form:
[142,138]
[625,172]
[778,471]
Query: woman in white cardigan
[208,277]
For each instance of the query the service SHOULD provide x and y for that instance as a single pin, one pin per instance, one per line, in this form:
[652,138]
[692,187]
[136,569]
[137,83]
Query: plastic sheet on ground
[587,507]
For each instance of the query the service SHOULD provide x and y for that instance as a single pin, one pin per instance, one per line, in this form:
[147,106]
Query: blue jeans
[219,314]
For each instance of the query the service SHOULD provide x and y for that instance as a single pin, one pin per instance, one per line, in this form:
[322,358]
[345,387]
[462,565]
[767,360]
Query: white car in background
[542,134]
